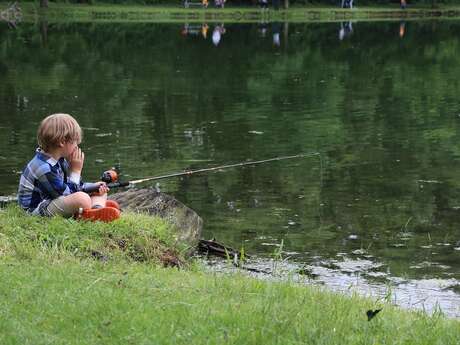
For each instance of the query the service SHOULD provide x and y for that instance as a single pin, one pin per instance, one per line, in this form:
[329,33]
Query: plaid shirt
[44,179]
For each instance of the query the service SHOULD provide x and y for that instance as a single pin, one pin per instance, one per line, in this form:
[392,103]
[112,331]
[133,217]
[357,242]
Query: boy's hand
[76,160]
[103,189]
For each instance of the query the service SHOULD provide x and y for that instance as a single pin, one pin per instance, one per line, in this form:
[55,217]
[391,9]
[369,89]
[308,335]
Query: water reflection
[346,29]
[219,30]
[352,276]
[385,118]
[276,29]
[402,29]
[217,33]
[263,28]
[195,30]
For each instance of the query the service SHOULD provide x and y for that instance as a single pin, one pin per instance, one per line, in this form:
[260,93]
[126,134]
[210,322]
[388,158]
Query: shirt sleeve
[75,177]
[72,180]
[73,187]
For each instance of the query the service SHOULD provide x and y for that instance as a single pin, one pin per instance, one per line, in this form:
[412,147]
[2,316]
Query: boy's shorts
[49,208]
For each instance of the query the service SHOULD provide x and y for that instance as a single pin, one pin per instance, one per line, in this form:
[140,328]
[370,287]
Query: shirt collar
[45,157]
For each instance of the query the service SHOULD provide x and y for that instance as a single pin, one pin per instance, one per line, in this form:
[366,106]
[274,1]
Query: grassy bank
[177,13]
[55,291]
[132,238]
[85,302]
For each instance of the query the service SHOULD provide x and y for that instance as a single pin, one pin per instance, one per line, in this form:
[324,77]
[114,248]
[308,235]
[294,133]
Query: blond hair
[56,129]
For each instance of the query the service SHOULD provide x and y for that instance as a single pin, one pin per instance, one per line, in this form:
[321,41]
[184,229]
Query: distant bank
[135,13]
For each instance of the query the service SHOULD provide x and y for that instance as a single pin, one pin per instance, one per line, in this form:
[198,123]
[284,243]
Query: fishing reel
[110,177]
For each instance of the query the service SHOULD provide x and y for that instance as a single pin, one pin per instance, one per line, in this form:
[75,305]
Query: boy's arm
[74,183]
[73,180]
[74,166]
[53,184]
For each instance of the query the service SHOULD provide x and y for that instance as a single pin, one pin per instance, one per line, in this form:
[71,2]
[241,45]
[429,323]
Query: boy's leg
[98,201]
[69,205]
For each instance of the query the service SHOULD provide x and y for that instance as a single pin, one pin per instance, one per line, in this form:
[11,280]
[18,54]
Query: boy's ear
[61,144]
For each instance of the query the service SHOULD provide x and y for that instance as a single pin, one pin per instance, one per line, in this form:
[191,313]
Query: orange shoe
[103,214]
[112,203]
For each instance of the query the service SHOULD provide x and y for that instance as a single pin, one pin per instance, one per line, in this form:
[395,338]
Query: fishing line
[222,167]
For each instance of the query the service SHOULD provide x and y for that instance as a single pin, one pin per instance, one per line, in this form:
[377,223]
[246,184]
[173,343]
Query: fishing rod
[111,176]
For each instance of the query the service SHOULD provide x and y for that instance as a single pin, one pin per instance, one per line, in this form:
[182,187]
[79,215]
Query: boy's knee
[81,199]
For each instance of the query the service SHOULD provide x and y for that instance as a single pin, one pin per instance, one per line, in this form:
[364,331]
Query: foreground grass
[86,302]
[61,12]
[53,291]
[133,237]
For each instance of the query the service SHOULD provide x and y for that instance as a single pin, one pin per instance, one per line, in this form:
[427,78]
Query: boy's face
[68,148]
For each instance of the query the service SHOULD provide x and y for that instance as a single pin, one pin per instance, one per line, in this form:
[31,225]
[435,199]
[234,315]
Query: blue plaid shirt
[44,179]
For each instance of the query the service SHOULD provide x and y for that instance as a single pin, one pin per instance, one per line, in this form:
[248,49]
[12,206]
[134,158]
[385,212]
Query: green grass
[60,12]
[133,237]
[53,291]
[86,302]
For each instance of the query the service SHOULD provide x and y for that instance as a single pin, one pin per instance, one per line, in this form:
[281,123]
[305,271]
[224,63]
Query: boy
[51,182]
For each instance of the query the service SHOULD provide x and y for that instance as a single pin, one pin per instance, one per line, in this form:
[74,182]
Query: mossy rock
[147,200]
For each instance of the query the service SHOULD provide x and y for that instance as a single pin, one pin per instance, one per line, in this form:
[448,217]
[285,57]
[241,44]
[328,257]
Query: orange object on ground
[104,214]
[112,203]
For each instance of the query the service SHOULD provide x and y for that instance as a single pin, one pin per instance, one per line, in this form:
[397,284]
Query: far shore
[31,12]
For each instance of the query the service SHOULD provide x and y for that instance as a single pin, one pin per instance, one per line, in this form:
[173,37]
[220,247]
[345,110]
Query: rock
[147,200]
[6,200]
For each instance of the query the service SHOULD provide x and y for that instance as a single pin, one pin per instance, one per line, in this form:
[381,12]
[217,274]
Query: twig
[215,248]
[93,283]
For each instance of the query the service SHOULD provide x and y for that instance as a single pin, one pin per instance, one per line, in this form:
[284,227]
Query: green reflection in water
[381,109]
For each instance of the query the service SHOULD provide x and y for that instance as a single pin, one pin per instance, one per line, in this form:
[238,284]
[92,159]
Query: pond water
[378,101]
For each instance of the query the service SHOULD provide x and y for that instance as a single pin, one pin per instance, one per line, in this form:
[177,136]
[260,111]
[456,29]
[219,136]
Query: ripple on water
[364,277]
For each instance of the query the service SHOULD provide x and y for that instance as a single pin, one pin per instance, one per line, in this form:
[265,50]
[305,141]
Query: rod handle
[118,184]
[94,187]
